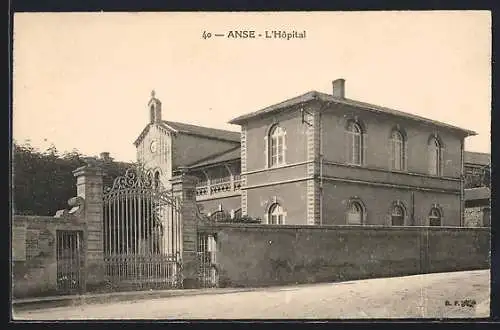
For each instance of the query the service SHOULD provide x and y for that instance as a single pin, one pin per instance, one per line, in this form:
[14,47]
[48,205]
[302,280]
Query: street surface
[444,295]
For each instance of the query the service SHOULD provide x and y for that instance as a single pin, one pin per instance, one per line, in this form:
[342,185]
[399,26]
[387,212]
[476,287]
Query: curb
[53,302]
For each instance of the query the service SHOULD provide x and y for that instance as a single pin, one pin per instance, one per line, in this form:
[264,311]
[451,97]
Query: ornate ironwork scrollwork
[135,178]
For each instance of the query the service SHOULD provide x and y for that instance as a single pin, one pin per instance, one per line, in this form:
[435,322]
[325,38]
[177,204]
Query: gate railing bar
[141,237]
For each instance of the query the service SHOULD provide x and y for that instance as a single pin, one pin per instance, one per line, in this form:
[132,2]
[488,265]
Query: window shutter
[347,147]
[364,148]
[284,147]
[430,165]
[441,161]
[348,218]
[405,155]
[390,148]
[266,151]
[266,218]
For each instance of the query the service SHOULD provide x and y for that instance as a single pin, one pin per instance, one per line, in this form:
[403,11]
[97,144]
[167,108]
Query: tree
[43,180]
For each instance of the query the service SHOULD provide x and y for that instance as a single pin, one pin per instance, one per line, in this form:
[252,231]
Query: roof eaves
[142,134]
[212,134]
[389,111]
[272,108]
[478,193]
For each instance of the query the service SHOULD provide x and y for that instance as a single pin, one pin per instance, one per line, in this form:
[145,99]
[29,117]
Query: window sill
[276,166]
[398,171]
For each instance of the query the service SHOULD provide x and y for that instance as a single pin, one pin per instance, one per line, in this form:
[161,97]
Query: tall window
[397,151]
[398,216]
[276,215]
[276,146]
[355,144]
[434,157]
[152,112]
[435,217]
[157,179]
[355,214]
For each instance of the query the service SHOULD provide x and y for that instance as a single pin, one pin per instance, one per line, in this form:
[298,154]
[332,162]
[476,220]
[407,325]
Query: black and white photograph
[251,165]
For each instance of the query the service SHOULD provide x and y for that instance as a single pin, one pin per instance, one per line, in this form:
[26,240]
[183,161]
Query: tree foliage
[43,181]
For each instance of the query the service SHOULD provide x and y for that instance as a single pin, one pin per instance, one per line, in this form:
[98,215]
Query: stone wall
[260,255]
[477,216]
[34,242]
[34,262]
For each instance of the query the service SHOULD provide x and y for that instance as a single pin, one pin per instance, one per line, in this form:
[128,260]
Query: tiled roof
[232,154]
[204,131]
[314,95]
[477,193]
[278,106]
[479,158]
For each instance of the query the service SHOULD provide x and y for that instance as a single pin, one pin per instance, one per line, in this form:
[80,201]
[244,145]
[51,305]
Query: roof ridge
[324,97]
[212,128]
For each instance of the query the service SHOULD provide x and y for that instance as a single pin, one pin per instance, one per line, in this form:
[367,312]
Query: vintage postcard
[251,165]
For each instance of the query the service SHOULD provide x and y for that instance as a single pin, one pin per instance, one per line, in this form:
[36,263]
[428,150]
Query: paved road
[400,297]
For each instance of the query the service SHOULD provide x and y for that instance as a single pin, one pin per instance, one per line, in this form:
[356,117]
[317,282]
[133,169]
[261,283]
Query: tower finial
[153,93]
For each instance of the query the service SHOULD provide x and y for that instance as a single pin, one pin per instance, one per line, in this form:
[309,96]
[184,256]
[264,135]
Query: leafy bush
[247,219]
[225,217]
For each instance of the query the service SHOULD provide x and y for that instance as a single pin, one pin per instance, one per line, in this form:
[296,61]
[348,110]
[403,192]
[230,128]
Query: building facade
[318,159]
[477,169]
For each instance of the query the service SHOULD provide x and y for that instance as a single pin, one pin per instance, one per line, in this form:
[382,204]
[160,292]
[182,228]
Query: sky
[82,80]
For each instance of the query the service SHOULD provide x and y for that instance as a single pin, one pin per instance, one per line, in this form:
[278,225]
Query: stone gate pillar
[183,188]
[89,186]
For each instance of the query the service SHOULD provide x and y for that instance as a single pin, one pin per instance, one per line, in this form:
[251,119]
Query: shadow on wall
[257,255]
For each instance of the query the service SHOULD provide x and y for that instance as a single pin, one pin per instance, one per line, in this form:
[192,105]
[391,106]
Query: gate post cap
[89,169]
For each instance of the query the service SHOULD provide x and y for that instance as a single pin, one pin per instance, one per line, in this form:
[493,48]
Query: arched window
[435,217]
[434,156]
[276,215]
[152,112]
[354,144]
[398,215]
[355,214]
[276,146]
[397,151]
[157,179]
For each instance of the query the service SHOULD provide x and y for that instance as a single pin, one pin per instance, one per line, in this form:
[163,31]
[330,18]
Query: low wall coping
[17,219]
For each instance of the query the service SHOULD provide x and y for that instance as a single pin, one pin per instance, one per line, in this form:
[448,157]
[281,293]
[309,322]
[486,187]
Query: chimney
[105,156]
[339,88]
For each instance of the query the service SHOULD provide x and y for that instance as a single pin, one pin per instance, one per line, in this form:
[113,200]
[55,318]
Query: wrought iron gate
[142,233]
[69,261]
[207,271]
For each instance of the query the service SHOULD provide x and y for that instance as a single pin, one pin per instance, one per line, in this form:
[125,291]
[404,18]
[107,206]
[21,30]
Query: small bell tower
[154,106]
